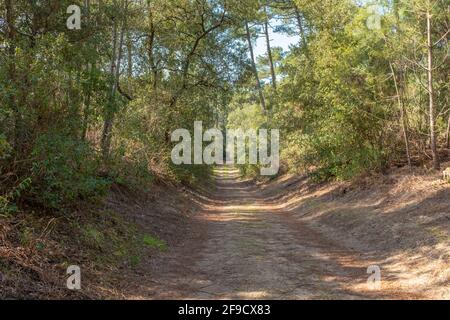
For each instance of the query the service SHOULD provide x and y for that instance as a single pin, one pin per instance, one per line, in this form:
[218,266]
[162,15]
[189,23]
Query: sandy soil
[287,238]
[285,241]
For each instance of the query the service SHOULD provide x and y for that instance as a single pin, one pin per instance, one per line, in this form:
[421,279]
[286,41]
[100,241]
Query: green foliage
[131,168]
[76,107]
[6,207]
[246,116]
[93,236]
[7,202]
[116,238]
[339,111]
[5,148]
[154,243]
[64,172]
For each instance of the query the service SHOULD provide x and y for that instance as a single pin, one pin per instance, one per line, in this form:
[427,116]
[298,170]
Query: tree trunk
[447,134]
[129,55]
[151,55]
[87,103]
[402,117]
[115,73]
[436,162]
[90,68]
[11,36]
[300,26]
[269,53]
[255,70]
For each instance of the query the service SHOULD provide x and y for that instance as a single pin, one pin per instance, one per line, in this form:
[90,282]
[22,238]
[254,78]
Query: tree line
[86,108]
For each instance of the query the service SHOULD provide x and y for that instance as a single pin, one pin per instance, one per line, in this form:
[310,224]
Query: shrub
[65,171]
[5,148]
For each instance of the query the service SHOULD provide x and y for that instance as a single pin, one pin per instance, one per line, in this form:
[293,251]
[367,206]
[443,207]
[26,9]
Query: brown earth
[284,239]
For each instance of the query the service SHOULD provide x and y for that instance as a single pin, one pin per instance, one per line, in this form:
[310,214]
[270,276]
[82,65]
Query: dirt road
[289,238]
[250,251]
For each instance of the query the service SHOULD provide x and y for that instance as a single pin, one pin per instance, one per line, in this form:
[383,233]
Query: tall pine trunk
[115,74]
[90,68]
[255,70]
[301,27]
[11,36]
[269,52]
[432,108]
[402,117]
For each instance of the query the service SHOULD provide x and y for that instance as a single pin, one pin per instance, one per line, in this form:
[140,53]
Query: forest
[91,92]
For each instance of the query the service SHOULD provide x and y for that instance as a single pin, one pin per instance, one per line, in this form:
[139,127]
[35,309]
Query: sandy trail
[249,251]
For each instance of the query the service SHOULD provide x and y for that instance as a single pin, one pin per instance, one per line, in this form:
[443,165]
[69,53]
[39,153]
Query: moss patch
[154,243]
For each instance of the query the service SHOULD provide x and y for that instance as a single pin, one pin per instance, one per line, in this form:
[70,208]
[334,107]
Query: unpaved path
[249,251]
[286,239]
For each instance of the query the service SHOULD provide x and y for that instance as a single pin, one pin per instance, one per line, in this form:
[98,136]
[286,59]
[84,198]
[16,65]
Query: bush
[5,148]
[65,171]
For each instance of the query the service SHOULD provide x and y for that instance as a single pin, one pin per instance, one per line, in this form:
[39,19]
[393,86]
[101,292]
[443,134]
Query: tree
[116,61]
[262,99]
[269,50]
[432,111]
